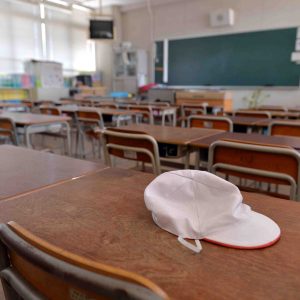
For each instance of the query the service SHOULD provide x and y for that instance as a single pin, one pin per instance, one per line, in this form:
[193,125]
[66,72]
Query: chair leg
[99,148]
[93,148]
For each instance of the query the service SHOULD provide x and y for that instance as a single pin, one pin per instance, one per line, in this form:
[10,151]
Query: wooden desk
[274,114]
[103,217]
[24,170]
[204,143]
[163,111]
[267,122]
[118,113]
[38,123]
[8,106]
[210,98]
[181,137]
[173,135]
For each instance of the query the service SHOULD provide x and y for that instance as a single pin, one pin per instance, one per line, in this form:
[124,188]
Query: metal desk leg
[187,160]
[163,119]
[68,130]
[197,159]
[27,136]
[174,119]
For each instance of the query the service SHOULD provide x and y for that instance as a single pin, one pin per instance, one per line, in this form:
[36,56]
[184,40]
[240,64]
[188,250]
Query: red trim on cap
[243,247]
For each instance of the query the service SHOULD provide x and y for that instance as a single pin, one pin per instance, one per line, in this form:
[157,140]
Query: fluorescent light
[42,11]
[60,2]
[79,7]
[44,40]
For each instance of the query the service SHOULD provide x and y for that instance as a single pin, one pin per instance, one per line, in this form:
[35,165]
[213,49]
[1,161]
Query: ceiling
[125,4]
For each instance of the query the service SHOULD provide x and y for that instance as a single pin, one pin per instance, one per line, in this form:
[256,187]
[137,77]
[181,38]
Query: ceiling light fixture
[60,2]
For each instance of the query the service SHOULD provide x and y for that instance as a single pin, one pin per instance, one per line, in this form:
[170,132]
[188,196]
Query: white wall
[191,18]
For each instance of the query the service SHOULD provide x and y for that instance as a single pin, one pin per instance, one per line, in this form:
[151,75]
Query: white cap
[199,205]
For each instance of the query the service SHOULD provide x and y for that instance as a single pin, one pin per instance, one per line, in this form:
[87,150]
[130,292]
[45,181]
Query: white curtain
[66,37]
[19,34]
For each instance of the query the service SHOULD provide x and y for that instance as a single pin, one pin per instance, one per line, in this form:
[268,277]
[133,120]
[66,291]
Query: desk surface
[173,135]
[23,170]
[104,111]
[103,217]
[25,119]
[293,142]
[246,121]
[274,114]
[267,122]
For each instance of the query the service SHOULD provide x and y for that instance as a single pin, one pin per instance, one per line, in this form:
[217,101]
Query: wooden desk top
[246,121]
[267,122]
[173,135]
[293,142]
[274,114]
[23,170]
[8,105]
[103,217]
[104,111]
[25,119]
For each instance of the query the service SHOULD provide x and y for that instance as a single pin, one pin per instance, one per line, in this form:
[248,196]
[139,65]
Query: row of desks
[203,138]
[102,216]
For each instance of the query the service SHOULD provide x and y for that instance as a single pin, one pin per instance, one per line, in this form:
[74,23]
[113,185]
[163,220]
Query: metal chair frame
[154,157]
[213,167]
[11,133]
[211,119]
[67,268]
[284,123]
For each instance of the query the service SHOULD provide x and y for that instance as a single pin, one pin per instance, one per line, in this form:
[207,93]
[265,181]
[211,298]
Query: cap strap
[194,248]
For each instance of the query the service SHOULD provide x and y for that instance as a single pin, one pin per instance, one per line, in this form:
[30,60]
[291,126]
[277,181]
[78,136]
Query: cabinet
[130,69]
[212,99]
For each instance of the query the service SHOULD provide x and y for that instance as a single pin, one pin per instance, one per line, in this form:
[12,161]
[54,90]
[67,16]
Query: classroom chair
[187,110]
[287,128]
[260,163]
[106,105]
[56,130]
[90,125]
[207,121]
[253,114]
[31,268]
[213,122]
[146,113]
[272,108]
[8,131]
[49,110]
[131,145]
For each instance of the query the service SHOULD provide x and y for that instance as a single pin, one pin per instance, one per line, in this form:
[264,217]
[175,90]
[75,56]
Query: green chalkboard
[159,61]
[244,59]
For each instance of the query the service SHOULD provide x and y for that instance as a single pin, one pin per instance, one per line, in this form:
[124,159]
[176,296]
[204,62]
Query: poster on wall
[48,74]
[51,75]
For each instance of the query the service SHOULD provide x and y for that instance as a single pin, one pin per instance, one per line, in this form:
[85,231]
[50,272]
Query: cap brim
[256,232]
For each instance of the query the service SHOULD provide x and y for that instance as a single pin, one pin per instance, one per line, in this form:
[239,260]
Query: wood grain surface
[103,217]
[33,119]
[173,135]
[289,141]
[23,170]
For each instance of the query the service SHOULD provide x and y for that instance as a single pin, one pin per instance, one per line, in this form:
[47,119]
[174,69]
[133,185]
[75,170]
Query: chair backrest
[8,129]
[107,105]
[86,102]
[222,123]
[90,118]
[253,113]
[132,145]
[192,109]
[48,110]
[145,110]
[291,128]
[272,108]
[31,268]
[258,162]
